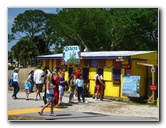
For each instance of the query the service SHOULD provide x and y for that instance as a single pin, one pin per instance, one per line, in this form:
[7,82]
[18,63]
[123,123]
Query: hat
[16,69]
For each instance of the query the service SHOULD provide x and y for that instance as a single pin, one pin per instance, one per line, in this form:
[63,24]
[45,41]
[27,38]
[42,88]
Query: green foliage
[109,29]
[99,29]
[24,51]
[30,23]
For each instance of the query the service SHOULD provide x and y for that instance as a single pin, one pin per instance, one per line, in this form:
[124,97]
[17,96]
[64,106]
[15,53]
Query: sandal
[40,113]
[52,114]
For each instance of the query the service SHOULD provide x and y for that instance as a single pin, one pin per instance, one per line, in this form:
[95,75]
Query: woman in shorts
[49,95]
[62,83]
[98,85]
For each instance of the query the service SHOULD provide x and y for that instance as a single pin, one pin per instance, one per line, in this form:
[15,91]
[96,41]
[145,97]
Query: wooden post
[152,96]
[153,84]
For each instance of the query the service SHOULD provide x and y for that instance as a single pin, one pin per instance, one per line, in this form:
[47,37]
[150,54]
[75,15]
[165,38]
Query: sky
[14,12]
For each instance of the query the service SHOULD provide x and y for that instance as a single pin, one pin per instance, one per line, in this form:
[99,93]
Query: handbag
[66,88]
[11,81]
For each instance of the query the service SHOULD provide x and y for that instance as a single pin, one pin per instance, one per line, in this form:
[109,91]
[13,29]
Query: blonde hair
[54,73]
[49,77]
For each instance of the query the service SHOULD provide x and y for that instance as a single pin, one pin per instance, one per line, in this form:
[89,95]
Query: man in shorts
[38,80]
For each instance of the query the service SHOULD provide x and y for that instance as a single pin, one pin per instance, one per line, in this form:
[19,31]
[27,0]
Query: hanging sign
[152,87]
[71,55]
[152,69]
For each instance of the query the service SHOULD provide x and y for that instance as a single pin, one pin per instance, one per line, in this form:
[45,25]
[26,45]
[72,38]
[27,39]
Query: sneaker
[27,98]
[14,97]
[40,113]
[35,98]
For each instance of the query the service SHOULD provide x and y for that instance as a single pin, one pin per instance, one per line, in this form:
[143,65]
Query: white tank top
[51,91]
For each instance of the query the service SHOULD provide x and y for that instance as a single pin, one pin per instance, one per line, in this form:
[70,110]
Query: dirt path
[118,108]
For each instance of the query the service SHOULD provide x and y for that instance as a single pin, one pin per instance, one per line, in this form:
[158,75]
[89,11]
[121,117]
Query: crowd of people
[55,86]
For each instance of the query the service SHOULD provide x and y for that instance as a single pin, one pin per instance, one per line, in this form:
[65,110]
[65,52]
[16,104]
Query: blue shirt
[27,85]
[61,79]
[80,83]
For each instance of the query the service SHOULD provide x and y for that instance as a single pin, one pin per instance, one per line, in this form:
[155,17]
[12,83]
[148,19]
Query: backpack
[11,81]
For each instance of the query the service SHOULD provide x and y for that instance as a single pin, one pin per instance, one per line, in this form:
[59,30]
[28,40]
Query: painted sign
[152,69]
[71,55]
[131,86]
[125,65]
[153,87]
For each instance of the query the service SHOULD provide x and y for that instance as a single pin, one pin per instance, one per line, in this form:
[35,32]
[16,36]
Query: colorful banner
[131,86]
[71,55]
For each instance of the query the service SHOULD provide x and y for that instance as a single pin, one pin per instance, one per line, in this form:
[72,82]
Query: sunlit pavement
[21,107]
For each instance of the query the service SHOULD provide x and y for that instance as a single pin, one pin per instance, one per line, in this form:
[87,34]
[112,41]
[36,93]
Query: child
[72,84]
[27,86]
[80,88]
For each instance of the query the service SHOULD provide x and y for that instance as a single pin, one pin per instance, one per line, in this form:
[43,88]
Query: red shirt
[56,79]
[77,74]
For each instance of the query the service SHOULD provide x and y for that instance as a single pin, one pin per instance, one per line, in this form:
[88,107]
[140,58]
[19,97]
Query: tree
[34,25]
[109,29]
[24,51]
[29,24]
[137,24]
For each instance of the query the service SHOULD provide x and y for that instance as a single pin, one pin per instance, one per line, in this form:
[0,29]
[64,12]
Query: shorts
[61,91]
[39,87]
[49,97]
[27,91]
[98,88]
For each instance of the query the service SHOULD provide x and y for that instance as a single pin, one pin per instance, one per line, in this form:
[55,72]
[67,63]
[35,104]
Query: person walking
[27,86]
[49,95]
[39,80]
[62,83]
[99,83]
[31,76]
[80,88]
[95,78]
[56,82]
[15,83]
[72,85]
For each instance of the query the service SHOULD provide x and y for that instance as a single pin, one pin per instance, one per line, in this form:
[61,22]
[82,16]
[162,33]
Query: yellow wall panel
[81,63]
[91,87]
[151,57]
[92,73]
[50,65]
[54,64]
[125,61]
[66,75]
[122,73]
[111,90]
[141,71]
[44,63]
[107,74]
[109,63]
